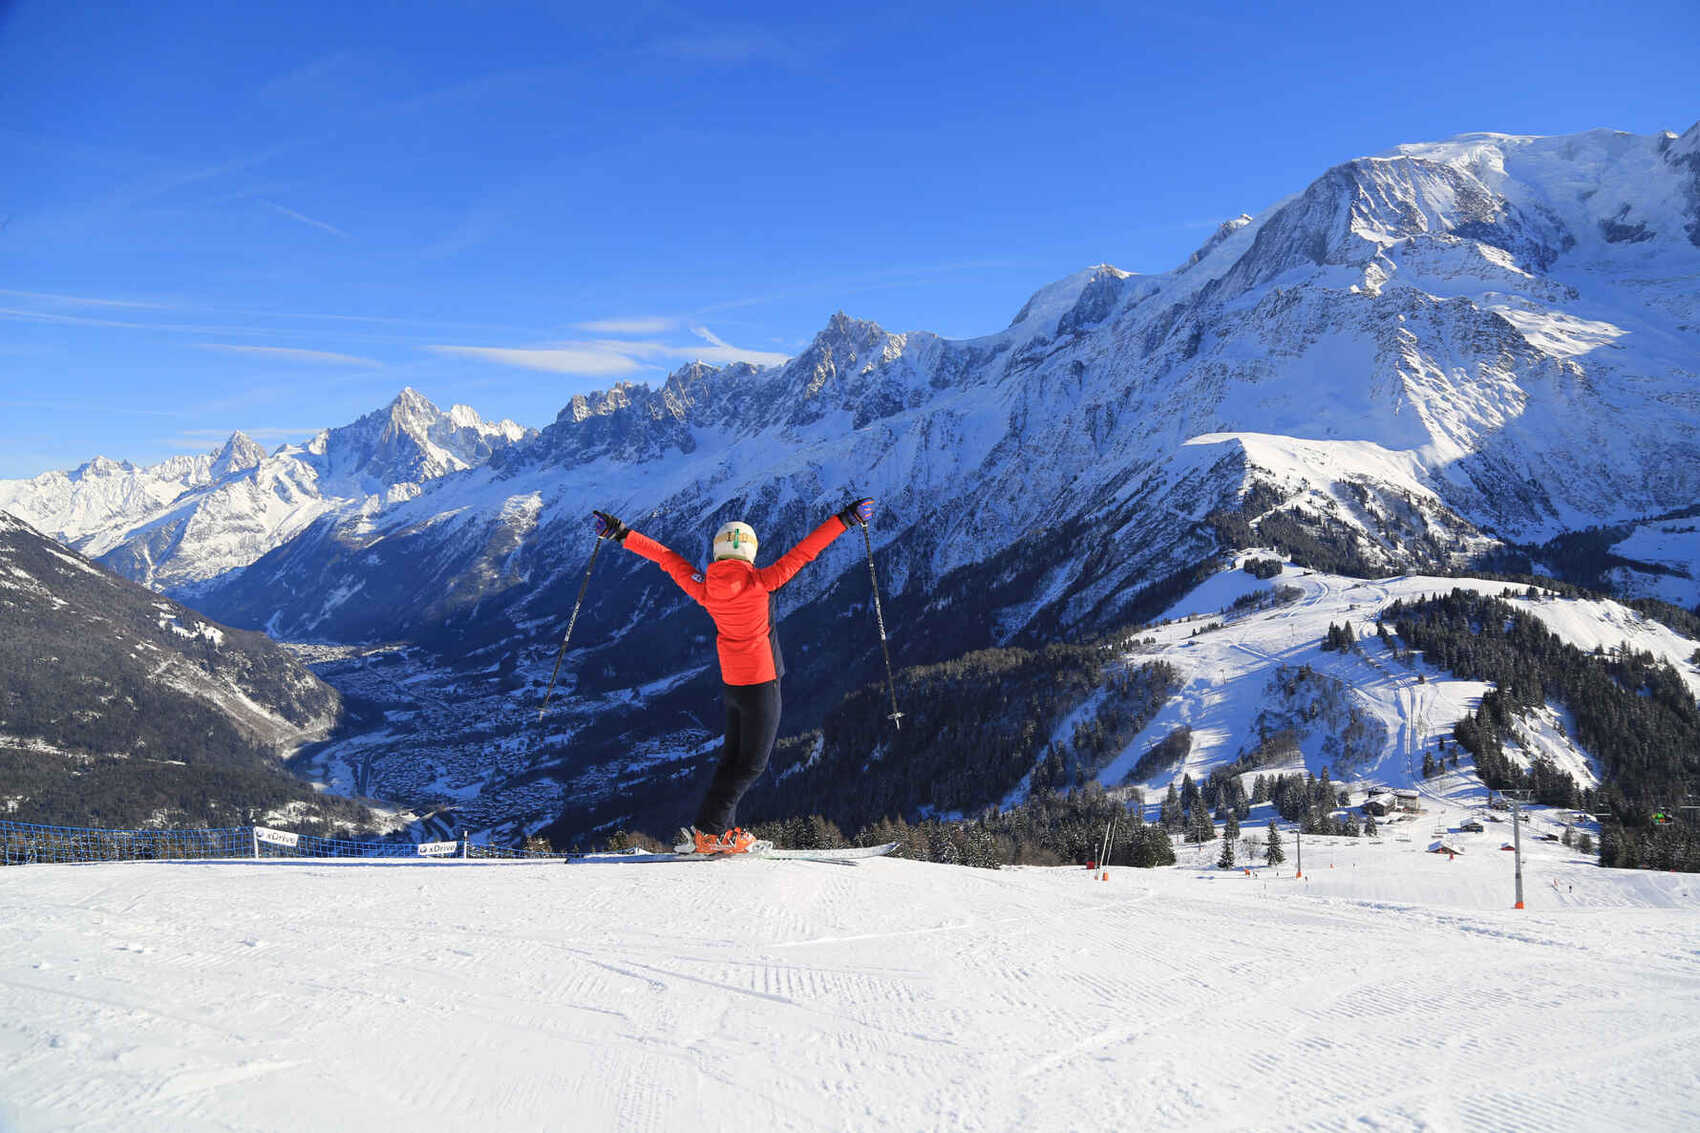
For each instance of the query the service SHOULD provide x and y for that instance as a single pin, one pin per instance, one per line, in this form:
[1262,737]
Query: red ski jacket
[735,594]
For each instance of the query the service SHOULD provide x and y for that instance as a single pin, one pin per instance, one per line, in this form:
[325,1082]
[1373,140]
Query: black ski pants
[752,725]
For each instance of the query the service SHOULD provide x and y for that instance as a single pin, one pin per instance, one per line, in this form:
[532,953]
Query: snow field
[1394,991]
[1226,672]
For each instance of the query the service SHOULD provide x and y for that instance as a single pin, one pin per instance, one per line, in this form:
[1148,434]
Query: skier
[735,592]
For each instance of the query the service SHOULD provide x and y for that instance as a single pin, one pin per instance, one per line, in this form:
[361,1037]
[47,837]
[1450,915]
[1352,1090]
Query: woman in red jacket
[735,593]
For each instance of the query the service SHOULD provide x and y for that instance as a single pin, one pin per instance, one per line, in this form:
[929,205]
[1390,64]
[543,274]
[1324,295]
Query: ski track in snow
[1391,989]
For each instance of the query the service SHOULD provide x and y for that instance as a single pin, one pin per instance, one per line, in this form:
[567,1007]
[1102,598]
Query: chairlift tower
[1521,795]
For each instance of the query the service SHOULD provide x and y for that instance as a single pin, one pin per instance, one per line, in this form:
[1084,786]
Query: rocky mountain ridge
[190,518]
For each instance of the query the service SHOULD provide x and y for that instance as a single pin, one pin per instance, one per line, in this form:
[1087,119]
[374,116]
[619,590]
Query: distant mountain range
[1480,352]
[192,518]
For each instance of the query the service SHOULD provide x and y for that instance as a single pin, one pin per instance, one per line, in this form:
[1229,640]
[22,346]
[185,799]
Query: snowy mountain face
[1443,353]
[191,518]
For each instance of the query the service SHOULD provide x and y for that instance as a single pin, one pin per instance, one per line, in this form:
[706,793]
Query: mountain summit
[190,518]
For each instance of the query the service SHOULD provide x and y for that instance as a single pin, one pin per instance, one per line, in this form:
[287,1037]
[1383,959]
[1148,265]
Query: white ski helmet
[735,541]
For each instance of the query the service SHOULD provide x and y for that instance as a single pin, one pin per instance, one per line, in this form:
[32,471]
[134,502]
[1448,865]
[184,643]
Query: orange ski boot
[740,841]
[701,843]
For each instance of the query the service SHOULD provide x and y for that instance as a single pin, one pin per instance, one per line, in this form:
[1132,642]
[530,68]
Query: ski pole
[572,621]
[896,717]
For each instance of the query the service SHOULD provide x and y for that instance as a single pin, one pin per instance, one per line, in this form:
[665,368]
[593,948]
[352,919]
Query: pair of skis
[848,856]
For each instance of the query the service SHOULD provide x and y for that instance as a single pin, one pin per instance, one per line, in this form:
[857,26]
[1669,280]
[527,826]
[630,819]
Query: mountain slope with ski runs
[1447,355]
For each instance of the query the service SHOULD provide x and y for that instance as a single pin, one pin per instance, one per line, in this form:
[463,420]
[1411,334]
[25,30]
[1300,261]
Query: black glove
[607,527]
[858,513]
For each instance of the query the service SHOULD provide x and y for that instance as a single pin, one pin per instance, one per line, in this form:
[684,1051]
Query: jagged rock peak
[102,466]
[599,403]
[1226,229]
[1055,300]
[841,328]
[412,406]
[842,347]
[238,454]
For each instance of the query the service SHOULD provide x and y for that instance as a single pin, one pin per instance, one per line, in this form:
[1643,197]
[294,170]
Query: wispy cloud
[645,324]
[303,218]
[83,300]
[84,407]
[291,354]
[614,357]
[88,321]
[339,74]
[61,318]
[588,359]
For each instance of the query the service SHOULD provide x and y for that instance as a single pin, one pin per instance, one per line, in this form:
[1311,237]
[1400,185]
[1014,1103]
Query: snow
[1226,673]
[1391,988]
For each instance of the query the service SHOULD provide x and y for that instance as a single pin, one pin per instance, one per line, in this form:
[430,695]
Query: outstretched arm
[783,569]
[682,572]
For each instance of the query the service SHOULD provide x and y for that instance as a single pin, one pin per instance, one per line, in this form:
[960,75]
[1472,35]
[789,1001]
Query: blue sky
[274,216]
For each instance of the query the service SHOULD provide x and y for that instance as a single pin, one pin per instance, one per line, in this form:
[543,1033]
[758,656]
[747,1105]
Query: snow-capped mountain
[191,518]
[1444,353]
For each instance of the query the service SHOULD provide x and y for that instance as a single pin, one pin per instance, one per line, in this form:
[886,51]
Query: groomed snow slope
[896,995]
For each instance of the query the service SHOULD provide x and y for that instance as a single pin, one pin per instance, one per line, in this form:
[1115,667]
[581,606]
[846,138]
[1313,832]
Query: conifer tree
[1151,847]
[1170,814]
[1231,831]
[1272,852]
[1226,861]
[1201,829]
